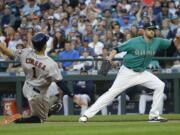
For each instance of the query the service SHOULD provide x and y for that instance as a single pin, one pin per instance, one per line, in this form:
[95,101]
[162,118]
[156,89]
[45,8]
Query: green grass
[99,125]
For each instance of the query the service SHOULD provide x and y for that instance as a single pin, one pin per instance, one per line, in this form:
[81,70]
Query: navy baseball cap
[39,39]
[150,25]
[85,39]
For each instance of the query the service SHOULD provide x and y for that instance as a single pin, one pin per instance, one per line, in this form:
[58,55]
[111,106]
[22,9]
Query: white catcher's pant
[84,97]
[144,98]
[127,78]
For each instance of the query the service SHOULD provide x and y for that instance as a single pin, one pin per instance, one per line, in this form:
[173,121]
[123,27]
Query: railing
[99,59]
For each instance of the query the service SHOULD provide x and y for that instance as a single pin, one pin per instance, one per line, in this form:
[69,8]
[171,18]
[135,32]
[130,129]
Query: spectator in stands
[36,23]
[31,8]
[7,18]
[50,25]
[85,64]
[108,39]
[57,43]
[68,53]
[177,52]
[44,5]
[81,24]
[101,30]
[91,10]
[88,32]
[165,28]
[142,16]
[66,26]
[157,13]
[108,18]
[173,26]
[115,42]
[3,57]
[9,32]
[105,54]
[96,45]
[172,9]
[16,67]
[164,9]
[117,31]
[134,31]
[13,43]
[140,30]
[158,32]
[85,47]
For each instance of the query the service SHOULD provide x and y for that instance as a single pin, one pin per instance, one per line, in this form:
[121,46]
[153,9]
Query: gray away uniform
[40,71]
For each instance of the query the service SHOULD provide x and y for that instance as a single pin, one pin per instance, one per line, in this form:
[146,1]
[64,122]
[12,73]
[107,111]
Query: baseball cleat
[158,119]
[83,119]
[10,119]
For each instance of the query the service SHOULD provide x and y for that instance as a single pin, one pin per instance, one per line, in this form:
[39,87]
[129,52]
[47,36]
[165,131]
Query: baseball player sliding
[140,51]
[40,70]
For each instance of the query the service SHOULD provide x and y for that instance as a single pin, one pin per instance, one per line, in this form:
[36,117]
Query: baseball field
[99,125]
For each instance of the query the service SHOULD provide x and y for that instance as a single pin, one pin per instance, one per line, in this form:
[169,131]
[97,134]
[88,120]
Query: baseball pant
[38,103]
[127,78]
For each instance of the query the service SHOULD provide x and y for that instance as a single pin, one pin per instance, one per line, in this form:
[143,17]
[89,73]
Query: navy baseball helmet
[39,40]
[150,25]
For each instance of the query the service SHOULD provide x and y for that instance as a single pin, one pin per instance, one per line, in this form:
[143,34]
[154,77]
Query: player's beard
[150,34]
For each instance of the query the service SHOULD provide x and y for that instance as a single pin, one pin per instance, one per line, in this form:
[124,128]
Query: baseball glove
[105,67]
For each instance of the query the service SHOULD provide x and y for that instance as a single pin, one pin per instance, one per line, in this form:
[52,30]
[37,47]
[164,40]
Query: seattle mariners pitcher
[40,70]
[133,72]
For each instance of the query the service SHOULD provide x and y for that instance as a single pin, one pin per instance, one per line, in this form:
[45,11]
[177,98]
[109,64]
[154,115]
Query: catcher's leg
[55,98]
[143,101]
[85,99]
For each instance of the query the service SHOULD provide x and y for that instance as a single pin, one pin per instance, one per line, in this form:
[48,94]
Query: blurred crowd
[84,28]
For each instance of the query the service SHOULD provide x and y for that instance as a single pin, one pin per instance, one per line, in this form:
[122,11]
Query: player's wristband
[61,84]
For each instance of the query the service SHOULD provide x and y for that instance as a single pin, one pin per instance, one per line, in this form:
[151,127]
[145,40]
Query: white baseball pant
[127,78]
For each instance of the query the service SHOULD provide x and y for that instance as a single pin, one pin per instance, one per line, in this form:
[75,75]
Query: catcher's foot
[83,119]
[10,119]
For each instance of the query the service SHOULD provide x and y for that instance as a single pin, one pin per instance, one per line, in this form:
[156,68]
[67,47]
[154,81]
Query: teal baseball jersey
[140,53]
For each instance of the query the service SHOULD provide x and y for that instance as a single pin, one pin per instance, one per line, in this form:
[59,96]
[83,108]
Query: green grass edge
[110,118]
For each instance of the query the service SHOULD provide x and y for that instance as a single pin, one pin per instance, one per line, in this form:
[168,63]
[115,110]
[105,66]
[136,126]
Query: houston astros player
[40,70]
[133,72]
